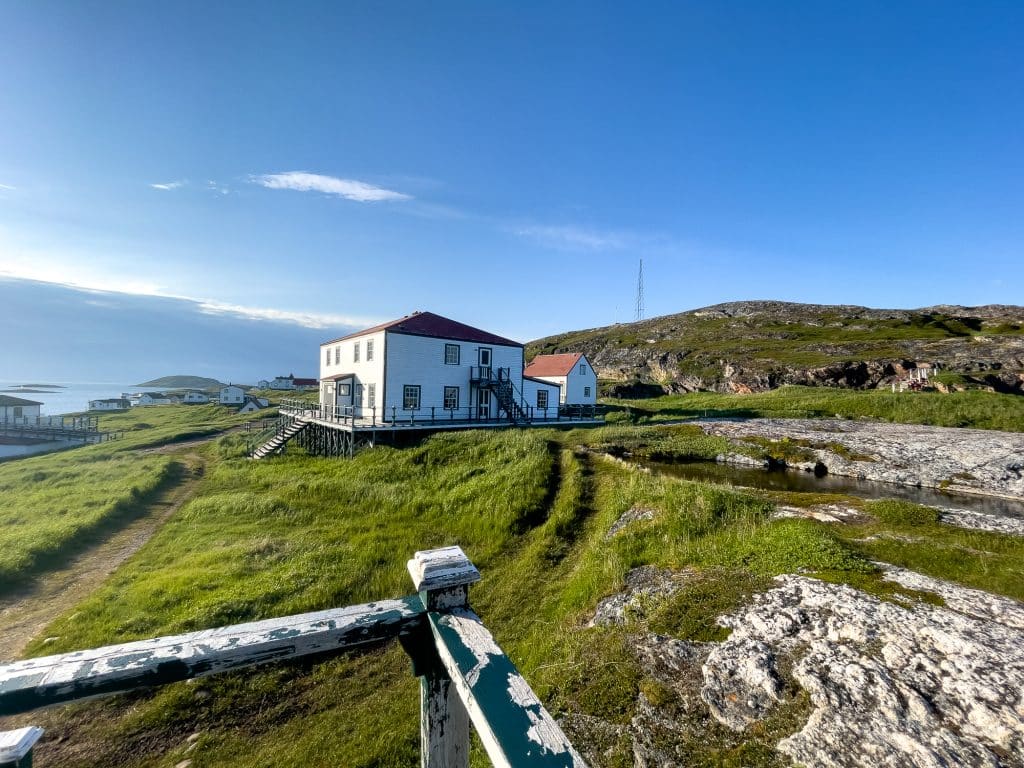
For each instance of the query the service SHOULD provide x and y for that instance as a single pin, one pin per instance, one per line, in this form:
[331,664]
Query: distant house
[18,410]
[253,404]
[290,382]
[572,373]
[262,384]
[232,395]
[150,398]
[195,396]
[541,395]
[110,404]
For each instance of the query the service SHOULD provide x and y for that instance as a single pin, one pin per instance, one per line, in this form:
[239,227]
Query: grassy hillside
[532,509]
[761,345]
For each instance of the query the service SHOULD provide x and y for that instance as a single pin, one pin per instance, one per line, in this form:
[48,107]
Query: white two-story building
[426,366]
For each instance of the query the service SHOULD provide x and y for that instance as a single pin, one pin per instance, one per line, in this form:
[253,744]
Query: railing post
[16,747]
[442,577]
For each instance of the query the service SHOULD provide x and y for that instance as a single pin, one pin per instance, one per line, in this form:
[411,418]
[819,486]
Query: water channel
[807,482]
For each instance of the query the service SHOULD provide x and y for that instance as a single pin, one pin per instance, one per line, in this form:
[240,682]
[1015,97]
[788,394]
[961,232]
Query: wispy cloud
[215,186]
[7,187]
[169,185]
[576,238]
[350,189]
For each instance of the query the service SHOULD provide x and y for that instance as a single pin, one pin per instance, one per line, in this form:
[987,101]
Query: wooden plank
[26,685]
[14,745]
[444,723]
[441,568]
[514,727]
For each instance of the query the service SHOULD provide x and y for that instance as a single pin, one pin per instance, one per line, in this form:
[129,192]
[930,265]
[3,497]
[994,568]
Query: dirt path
[25,614]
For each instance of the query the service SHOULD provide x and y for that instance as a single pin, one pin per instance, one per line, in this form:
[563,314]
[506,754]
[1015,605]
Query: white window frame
[327,360]
[371,395]
[369,350]
[542,399]
[355,352]
[411,394]
[337,355]
[583,369]
[449,357]
[561,393]
[449,391]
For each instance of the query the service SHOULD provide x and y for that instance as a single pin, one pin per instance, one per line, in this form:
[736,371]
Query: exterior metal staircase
[499,381]
[277,442]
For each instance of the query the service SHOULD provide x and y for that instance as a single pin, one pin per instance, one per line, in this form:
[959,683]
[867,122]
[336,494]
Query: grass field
[54,505]
[532,510]
[981,410]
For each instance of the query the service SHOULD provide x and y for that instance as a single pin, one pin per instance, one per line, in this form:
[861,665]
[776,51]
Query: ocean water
[69,397]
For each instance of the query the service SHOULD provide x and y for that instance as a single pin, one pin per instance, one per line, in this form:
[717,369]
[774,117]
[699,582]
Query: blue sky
[508,164]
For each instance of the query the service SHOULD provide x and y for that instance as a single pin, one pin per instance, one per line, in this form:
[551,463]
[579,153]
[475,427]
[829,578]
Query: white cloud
[169,185]
[350,189]
[305,319]
[7,187]
[576,238]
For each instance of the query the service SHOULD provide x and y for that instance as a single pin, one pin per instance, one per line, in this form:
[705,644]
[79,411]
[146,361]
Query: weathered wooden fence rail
[464,676]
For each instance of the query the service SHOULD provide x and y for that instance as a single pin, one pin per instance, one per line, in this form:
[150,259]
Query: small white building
[150,398]
[253,404]
[18,410]
[195,396]
[262,384]
[423,365]
[542,396]
[110,404]
[232,395]
[572,373]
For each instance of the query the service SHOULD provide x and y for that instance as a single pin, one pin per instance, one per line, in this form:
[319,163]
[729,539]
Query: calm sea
[70,397]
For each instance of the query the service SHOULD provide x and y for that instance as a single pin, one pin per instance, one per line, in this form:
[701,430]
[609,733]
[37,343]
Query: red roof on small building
[552,365]
[429,324]
[305,382]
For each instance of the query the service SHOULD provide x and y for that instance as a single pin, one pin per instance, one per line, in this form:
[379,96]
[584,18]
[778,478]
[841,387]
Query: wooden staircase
[277,442]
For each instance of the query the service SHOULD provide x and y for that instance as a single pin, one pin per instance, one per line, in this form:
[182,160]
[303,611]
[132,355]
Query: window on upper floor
[337,355]
[452,354]
[583,369]
[355,352]
[327,356]
[369,350]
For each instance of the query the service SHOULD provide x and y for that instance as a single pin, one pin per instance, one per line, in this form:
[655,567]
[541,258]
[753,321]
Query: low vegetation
[980,410]
[531,508]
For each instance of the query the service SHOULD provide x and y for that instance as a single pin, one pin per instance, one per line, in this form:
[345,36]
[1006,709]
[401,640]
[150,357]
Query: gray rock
[645,587]
[632,515]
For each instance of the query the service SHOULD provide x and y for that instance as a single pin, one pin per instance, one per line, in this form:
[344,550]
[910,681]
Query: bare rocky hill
[758,345]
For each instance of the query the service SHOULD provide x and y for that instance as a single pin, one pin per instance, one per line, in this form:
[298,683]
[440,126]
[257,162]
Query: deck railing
[377,417]
[464,676]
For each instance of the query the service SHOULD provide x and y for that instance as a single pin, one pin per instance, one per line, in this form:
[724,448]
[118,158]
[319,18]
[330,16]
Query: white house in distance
[573,374]
[17,409]
[291,382]
[232,395]
[195,396]
[150,398]
[424,365]
[110,404]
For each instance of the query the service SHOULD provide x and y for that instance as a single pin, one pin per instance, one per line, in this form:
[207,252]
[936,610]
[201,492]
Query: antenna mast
[640,293]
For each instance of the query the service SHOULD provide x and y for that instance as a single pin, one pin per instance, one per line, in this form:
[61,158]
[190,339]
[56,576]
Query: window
[19,411]
[451,354]
[371,392]
[583,369]
[369,350]
[542,398]
[561,392]
[355,352]
[344,390]
[451,397]
[586,391]
[411,397]
[327,356]
[337,355]
[485,356]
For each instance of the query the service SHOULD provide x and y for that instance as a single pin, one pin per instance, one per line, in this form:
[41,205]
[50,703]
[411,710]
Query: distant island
[183,382]
[39,388]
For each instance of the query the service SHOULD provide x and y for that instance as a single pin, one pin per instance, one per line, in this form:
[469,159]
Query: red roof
[552,365]
[304,382]
[429,324]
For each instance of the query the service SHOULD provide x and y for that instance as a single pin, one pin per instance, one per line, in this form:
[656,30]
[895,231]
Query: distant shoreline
[34,388]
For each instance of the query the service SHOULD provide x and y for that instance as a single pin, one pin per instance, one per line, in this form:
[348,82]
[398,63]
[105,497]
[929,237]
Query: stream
[807,482]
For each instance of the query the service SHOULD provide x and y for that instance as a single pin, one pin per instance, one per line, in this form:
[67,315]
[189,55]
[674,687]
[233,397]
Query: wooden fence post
[442,577]
[16,747]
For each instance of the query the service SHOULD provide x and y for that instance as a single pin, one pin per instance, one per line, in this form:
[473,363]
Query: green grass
[981,410]
[532,509]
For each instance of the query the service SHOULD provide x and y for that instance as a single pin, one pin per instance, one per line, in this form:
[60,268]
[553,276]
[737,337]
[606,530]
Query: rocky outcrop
[965,460]
[874,683]
[891,685]
[758,345]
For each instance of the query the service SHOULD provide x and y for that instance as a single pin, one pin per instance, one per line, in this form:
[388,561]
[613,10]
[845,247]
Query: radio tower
[640,293]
